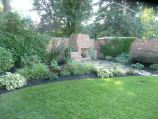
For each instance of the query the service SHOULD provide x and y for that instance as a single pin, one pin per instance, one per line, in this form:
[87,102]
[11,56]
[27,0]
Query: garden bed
[43,81]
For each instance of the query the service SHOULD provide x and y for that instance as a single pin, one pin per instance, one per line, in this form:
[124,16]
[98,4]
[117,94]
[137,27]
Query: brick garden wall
[77,42]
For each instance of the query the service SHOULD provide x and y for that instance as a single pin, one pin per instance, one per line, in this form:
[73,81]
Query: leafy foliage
[37,71]
[62,16]
[12,81]
[67,54]
[1,7]
[115,20]
[54,66]
[116,46]
[6,60]
[117,71]
[149,23]
[123,58]
[153,67]
[77,68]
[19,37]
[103,72]
[65,72]
[30,60]
[109,58]
[137,66]
[55,54]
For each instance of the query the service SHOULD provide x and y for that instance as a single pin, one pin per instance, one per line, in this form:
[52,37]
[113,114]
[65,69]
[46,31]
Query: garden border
[31,83]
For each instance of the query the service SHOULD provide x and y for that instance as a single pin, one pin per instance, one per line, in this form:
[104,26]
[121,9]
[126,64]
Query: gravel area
[123,68]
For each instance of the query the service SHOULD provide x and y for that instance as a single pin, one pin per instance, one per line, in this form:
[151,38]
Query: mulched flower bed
[31,83]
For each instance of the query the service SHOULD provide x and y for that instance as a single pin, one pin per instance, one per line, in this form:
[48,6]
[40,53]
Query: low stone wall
[145,51]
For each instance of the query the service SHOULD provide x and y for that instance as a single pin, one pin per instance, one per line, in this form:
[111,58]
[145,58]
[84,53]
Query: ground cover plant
[137,66]
[35,72]
[12,81]
[117,98]
[153,67]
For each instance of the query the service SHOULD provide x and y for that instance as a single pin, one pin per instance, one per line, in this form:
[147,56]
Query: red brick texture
[144,51]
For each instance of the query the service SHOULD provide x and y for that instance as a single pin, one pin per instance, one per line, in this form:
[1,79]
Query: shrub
[87,67]
[6,61]
[54,66]
[137,66]
[153,67]
[103,72]
[116,46]
[65,72]
[78,68]
[67,54]
[12,81]
[51,76]
[123,58]
[109,58]
[116,71]
[30,60]
[37,71]
[75,68]
[18,36]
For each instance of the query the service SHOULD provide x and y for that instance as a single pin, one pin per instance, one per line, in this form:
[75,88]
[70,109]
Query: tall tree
[150,25]
[6,5]
[65,16]
[118,18]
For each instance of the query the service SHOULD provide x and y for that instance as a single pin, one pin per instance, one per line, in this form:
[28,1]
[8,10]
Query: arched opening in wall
[85,53]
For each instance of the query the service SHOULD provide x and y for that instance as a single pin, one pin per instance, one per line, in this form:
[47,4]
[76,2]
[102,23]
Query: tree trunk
[125,7]
[6,5]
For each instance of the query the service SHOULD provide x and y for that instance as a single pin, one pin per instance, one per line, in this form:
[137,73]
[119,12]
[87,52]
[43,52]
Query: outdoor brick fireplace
[81,43]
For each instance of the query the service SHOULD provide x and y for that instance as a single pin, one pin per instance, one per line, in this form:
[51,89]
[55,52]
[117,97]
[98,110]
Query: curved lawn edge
[33,83]
[121,97]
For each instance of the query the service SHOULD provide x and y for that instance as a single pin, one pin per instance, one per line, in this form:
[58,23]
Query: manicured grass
[117,98]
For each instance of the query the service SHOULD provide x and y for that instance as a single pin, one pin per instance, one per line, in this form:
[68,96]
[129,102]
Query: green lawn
[117,98]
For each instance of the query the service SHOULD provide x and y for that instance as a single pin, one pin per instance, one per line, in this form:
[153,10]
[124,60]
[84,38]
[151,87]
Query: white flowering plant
[12,81]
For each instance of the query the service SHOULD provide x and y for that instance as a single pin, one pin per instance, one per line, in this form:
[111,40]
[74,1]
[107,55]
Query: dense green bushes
[123,58]
[27,60]
[36,71]
[137,66]
[18,36]
[116,46]
[76,68]
[153,67]
[6,61]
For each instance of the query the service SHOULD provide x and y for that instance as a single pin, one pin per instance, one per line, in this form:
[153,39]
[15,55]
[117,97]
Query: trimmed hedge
[116,46]
[153,67]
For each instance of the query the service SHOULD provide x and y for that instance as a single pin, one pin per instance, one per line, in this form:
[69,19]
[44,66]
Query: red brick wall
[77,42]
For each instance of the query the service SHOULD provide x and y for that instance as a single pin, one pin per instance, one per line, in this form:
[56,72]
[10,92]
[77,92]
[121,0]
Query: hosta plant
[12,81]
[103,72]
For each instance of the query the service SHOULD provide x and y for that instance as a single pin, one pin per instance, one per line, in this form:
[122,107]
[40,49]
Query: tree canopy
[63,16]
